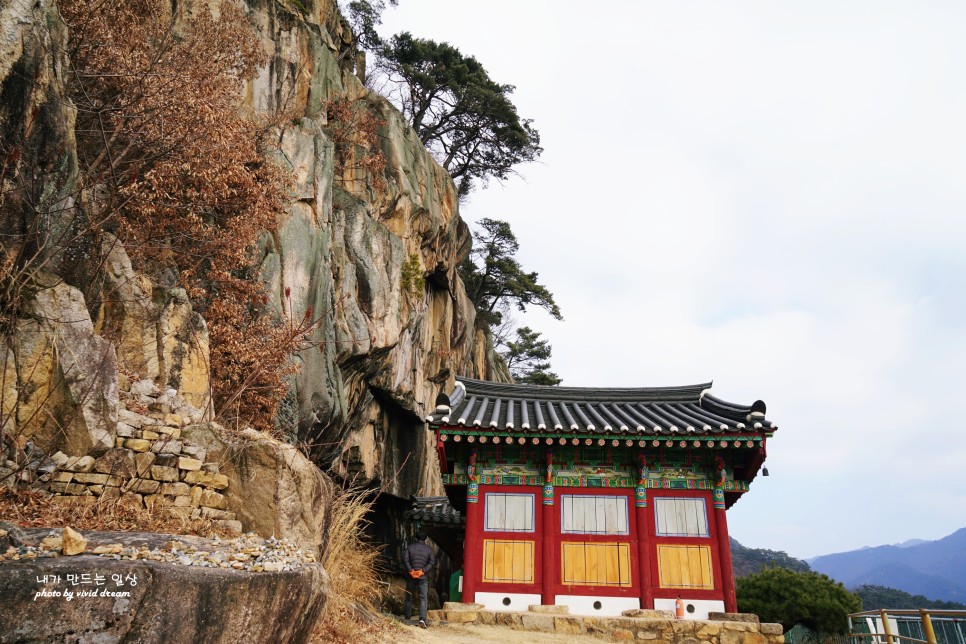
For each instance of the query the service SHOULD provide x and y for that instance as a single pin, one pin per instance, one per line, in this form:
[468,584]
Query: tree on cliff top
[494,278]
[527,358]
[364,16]
[495,281]
[790,598]
[465,119]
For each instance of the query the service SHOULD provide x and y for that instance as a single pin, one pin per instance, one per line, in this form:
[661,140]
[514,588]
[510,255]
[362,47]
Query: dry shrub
[353,127]
[350,613]
[31,509]
[178,172]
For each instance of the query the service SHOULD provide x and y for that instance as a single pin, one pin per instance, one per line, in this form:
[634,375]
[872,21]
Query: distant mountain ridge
[878,597]
[934,569]
[748,561]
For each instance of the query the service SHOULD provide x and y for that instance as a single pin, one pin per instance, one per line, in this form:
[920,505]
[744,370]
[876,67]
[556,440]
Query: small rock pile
[151,420]
[248,552]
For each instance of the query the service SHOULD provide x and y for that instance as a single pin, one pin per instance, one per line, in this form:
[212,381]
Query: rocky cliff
[374,256]
[343,247]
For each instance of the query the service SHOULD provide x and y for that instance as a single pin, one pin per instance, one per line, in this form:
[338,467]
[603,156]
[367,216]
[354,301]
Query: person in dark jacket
[419,559]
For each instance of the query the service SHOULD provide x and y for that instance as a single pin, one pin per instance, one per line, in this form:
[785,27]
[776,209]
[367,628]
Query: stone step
[733,617]
[461,606]
[645,613]
[655,626]
[552,610]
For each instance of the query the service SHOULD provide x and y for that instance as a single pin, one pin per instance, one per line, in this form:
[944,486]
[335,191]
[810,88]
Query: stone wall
[168,459]
[653,626]
[150,464]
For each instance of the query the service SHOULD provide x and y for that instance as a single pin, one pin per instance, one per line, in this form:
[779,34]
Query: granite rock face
[60,384]
[385,347]
[40,171]
[157,334]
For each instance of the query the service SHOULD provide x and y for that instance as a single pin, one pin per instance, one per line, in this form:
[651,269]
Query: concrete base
[598,606]
[506,601]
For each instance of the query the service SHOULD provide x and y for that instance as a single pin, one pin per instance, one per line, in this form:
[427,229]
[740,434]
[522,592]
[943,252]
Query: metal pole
[927,626]
[885,626]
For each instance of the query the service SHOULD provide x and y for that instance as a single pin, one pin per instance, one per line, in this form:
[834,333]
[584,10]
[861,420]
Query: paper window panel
[593,514]
[509,512]
[680,517]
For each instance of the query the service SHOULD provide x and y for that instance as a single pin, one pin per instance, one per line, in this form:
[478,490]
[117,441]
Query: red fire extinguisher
[679,608]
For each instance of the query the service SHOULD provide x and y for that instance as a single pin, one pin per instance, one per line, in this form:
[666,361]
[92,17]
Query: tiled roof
[689,410]
[435,510]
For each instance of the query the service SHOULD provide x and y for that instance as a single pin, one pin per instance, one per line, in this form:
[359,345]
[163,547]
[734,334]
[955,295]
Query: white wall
[495,601]
[701,607]
[609,606]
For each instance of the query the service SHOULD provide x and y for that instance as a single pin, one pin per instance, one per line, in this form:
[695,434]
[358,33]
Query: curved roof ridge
[580,394]
[687,410]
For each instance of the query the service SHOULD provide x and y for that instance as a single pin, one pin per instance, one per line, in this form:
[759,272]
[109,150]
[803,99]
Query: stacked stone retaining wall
[151,466]
[654,627]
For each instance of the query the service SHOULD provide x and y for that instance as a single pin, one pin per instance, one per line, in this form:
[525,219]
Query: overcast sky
[767,194]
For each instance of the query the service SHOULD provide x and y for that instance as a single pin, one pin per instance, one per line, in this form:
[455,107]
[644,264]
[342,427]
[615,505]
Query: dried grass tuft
[31,509]
[350,613]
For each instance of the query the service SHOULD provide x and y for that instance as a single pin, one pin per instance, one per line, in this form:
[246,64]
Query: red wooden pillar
[472,558]
[643,547]
[549,566]
[724,552]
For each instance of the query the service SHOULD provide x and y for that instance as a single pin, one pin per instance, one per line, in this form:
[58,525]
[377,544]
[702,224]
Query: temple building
[603,500]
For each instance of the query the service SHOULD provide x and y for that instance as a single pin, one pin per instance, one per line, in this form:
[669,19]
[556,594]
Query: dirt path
[477,634]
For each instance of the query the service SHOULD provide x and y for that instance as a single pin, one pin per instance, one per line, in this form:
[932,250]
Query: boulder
[158,335]
[169,603]
[273,489]
[67,375]
[128,315]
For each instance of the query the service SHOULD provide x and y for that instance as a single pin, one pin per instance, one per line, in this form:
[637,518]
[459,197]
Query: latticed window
[601,562]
